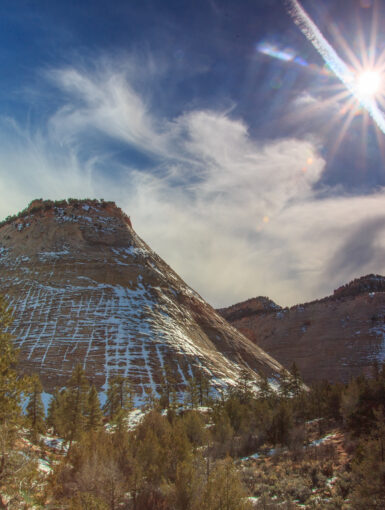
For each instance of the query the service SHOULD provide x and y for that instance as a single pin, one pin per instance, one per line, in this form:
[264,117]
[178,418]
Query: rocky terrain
[333,338]
[86,289]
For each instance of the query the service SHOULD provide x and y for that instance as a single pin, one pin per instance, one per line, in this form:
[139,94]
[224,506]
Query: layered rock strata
[334,338]
[86,289]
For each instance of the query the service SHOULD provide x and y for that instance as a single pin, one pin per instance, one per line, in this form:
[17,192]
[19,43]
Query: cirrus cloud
[235,216]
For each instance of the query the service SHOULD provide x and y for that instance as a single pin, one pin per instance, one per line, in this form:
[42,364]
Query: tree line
[182,456]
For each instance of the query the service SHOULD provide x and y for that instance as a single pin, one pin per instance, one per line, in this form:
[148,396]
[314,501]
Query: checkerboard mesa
[84,287]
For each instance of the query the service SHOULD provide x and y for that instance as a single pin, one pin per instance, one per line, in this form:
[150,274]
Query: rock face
[85,288]
[334,338]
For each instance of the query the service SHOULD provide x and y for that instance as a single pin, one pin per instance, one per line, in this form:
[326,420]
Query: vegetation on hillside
[39,205]
[211,452]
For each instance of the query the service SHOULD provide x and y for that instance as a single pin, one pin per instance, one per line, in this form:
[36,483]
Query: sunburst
[362,76]
[368,83]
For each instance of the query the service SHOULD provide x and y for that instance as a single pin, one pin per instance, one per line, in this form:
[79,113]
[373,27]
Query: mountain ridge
[333,338]
[86,288]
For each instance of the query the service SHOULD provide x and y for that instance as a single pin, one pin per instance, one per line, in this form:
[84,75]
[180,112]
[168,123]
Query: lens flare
[362,83]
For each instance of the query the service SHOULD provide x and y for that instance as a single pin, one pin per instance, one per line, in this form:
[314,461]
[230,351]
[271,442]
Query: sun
[368,84]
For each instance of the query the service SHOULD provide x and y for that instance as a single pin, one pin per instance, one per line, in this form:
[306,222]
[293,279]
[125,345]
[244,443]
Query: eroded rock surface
[85,288]
[334,338]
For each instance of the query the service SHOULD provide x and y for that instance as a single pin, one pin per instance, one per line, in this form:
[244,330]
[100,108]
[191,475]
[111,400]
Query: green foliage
[75,409]
[17,469]
[203,385]
[281,424]
[192,393]
[168,397]
[369,467]
[75,400]
[38,205]
[55,415]
[244,388]
[224,490]
[93,413]
[11,385]
[264,389]
[119,398]
[178,459]
[35,409]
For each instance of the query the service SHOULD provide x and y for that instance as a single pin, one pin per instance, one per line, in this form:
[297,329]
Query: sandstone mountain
[85,288]
[333,338]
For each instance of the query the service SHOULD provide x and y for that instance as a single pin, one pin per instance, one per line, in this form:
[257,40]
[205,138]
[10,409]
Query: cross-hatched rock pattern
[86,289]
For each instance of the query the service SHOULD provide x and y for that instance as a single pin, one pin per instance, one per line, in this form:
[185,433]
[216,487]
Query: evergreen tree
[369,468]
[189,483]
[203,385]
[295,381]
[17,470]
[224,490]
[11,385]
[120,397]
[55,413]
[282,422]
[264,389]
[244,387]
[192,393]
[93,412]
[167,386]
[35,408]
[75,404]
[284,383]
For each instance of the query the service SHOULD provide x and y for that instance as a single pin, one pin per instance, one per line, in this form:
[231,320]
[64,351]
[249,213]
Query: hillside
[86,289]
[334,338]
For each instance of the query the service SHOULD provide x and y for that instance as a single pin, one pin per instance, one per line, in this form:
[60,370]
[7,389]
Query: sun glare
[368,83]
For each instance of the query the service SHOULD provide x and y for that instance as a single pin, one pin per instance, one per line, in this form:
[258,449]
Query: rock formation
[333,338]
[86,289]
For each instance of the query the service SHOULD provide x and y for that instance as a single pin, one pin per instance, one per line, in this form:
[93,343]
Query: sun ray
[365,96]
[373,36]
[344,128]
[381,144]
[311,109]
[353,59]
[362,47]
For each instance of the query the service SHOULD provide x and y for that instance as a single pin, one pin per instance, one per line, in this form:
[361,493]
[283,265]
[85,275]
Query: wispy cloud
[234,216]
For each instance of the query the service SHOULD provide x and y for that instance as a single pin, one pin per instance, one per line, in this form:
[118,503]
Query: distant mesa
[254,306]
[85,288]
[334,338]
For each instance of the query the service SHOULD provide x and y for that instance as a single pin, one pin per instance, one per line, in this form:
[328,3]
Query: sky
[225,129]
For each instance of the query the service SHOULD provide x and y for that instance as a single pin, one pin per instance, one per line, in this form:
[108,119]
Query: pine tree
[75,404]
[93,411]
[17,471]
[296,383]
[192,394]
[224,489]
[35,408]
[369,468]
[119,397]
[55,413]
[265,392]
[284,383]
[167,386]
[11,385]
[203,385]
[244,386]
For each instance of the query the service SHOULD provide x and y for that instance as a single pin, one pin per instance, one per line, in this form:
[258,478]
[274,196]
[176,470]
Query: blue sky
[215,125]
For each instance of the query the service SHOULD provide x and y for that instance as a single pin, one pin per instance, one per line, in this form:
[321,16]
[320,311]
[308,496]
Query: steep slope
[334,338]
[85,288]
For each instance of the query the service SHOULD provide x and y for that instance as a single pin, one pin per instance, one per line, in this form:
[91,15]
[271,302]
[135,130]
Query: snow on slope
[85,288]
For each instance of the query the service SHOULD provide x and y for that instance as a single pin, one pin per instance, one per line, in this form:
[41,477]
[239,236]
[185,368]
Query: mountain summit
[85,288]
